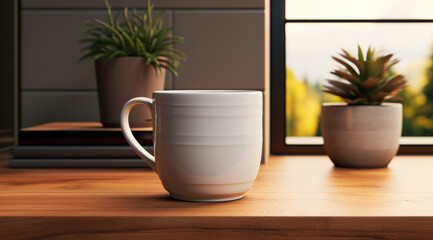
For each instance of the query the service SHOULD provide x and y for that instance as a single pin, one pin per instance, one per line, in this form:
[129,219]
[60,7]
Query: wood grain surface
[299,197]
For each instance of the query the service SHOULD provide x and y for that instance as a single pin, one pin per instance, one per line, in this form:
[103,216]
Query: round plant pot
[361,136]
[121,79]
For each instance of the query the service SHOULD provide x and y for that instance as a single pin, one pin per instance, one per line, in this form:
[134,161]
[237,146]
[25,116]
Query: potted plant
[364,131]
[131,57]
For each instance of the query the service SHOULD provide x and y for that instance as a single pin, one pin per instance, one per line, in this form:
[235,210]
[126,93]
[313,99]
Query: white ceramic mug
[207,143]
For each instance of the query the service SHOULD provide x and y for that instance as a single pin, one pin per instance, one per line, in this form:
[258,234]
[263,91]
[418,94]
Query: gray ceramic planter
[361,136]
[121,79]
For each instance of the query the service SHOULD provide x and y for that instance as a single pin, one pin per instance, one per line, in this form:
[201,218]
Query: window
[304,36]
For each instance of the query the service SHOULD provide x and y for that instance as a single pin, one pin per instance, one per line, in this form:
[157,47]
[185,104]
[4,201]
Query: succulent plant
[136,36]
[366,81]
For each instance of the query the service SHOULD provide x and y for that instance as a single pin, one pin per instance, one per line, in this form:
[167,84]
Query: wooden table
[303,197]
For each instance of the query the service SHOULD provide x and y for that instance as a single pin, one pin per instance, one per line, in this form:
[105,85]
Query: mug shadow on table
[161,202]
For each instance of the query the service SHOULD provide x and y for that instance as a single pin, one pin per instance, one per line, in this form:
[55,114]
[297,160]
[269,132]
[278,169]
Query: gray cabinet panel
[50,50]
[175,4]
[225,49]
[44,107]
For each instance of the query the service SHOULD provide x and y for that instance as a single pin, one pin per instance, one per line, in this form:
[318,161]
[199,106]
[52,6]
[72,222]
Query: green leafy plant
[366,81]
[135,36]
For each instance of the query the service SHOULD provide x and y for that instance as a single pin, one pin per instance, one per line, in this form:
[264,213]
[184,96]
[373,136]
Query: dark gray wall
[225,49]
[170,4]
[225,44]
[8,71]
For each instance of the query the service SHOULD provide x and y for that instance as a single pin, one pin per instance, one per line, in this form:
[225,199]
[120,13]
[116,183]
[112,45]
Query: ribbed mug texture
[208,144]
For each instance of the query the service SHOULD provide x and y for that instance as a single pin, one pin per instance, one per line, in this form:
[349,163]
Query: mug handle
[124,123]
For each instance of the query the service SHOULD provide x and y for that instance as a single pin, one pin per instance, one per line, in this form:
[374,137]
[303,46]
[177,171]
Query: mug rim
[206,92]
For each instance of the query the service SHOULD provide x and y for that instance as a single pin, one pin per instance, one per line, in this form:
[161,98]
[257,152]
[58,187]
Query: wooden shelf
[302,197]
[79,133]
[77,126]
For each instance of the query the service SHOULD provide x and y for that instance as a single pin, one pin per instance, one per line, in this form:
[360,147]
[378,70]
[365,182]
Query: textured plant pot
[361,136]
[121,79]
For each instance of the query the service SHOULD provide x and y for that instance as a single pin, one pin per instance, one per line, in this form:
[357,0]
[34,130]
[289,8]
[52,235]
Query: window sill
[294,196]
[409,141]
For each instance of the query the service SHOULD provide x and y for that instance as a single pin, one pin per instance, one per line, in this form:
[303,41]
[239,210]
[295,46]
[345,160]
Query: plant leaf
[338,93]
[125,15]
[379,96]
[393,83]
[353,60]
[348,77]
[345,87]
[370,83]
[110,17]
[139,35]
[369,54]
[393,98]
[360,56]
[356,101]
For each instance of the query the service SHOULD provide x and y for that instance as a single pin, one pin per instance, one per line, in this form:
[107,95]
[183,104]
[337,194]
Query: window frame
[278,84]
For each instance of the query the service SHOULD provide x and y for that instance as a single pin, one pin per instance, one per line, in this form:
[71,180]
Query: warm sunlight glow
[355,9]
[309,47]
